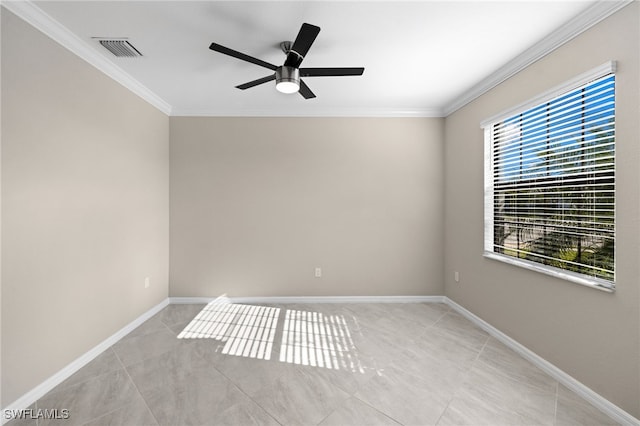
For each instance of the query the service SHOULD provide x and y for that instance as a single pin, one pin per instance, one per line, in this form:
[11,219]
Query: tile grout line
[96,376]
[85,380]
[137,389]
[477,360]
[246,394]
[102,415]
[445,410]
[486,342]
[465,374]
[169,328]
[501,371]
[333,411]
[374,408]
[432,325]
[353,395]
[419,320]
[439,319]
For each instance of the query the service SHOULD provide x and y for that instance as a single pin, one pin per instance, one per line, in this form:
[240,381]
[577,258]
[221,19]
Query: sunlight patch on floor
[318,340]
[306,338]
[247,330]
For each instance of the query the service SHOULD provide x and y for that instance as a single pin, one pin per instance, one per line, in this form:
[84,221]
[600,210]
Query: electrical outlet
[147,282]
[318,272]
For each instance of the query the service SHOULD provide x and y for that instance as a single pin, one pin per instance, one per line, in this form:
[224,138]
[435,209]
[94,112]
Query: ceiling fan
[288,76]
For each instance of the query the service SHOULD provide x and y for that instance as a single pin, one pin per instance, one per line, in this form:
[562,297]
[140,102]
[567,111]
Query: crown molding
[36,17]
[580,23]
[332,112]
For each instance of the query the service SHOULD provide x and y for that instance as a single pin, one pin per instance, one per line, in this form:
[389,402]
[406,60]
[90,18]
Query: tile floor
[320,364]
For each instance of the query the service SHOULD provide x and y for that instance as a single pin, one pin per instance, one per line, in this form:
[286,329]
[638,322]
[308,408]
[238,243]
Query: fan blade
[305,38]
[218,48]
[330,72]
[257,82]
[305,91]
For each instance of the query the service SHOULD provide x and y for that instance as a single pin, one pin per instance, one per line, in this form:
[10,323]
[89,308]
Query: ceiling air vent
[120,48]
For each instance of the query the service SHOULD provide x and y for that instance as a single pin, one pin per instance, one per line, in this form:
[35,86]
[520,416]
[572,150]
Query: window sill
[590,282]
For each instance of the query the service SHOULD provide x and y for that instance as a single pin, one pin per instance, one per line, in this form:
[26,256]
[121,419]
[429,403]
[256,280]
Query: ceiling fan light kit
[287,76]
[287,79]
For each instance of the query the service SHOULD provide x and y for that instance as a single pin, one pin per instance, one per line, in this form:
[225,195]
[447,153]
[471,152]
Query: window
[550,182]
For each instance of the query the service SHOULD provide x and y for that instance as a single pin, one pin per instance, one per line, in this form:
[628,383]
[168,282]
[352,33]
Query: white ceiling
[421,58]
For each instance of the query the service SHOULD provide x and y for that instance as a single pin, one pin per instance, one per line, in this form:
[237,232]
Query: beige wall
[84,207]
[258,203]
[592,335]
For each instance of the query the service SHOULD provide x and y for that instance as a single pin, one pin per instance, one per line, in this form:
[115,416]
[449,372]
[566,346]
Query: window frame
[487,125]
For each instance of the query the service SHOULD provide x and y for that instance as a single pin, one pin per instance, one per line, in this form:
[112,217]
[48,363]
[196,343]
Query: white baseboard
[604,405]
[191,300]
[314,299]
[39,391]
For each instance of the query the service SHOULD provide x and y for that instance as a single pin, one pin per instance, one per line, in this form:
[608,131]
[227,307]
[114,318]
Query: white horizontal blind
[553,182]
